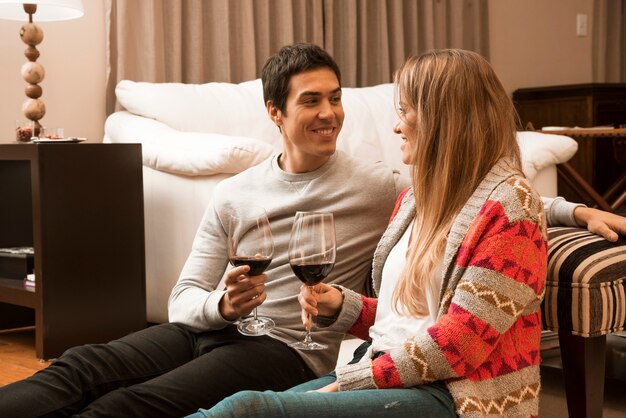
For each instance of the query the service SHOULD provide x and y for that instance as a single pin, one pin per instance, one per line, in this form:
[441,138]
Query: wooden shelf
[13,291]
[80,206]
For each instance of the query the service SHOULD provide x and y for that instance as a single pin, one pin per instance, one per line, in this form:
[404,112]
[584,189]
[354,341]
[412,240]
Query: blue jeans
[432,401]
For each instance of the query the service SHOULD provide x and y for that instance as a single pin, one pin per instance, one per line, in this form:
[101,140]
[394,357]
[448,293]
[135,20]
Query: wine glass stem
[255,318]
[307,336]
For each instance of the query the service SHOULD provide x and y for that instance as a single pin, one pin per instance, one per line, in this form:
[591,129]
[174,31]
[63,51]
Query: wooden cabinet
[81,207]
[583,105]
[598,159]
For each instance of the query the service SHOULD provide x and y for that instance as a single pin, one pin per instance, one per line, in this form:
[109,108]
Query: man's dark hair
[288,61]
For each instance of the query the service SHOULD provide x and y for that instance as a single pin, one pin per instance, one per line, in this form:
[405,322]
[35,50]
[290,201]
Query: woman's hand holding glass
[320,300]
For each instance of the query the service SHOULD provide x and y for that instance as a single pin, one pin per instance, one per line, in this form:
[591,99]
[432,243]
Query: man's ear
[274,113]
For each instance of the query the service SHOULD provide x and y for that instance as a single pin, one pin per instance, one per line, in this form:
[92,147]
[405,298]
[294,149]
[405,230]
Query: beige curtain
[197,41]
[371,39]
[609,41]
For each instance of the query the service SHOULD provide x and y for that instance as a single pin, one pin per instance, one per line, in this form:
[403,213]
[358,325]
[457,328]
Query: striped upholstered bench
[585,300]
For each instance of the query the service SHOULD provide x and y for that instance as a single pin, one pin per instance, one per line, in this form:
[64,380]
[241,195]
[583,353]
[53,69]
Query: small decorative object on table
[26,132]
[58,140]
[51,133]
[23,130]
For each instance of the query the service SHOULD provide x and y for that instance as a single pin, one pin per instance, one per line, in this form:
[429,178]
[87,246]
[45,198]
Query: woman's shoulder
[518,199]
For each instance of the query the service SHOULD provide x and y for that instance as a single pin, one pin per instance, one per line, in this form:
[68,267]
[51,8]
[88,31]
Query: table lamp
[32,35]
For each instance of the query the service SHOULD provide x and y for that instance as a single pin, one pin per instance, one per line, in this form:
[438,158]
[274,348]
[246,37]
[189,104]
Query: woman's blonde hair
[465,123]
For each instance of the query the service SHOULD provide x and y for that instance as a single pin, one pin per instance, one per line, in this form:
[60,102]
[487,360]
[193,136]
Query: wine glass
[250,243]
[312,257]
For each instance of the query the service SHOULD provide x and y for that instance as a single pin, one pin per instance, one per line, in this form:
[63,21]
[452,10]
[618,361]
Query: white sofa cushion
[221,108]
[541,150]
[186,153]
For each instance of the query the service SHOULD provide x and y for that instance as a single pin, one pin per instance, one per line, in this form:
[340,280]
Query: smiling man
[310,120]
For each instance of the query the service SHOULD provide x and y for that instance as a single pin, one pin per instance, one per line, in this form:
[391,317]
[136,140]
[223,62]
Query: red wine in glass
[257,264]
[250,243]
[311,273]
[312,251]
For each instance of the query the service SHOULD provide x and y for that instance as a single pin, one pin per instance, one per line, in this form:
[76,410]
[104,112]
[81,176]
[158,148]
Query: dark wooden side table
[581,180]
[80,206]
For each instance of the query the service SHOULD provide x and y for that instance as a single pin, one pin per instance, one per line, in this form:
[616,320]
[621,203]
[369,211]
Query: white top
[390,329]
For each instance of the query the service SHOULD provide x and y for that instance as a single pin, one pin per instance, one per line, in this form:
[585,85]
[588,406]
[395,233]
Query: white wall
[533,43]
[73,54]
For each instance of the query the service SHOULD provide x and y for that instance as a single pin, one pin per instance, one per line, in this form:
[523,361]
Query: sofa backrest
[238,110]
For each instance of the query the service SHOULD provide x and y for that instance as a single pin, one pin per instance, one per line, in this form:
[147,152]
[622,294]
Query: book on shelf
[17,251]
[16,262]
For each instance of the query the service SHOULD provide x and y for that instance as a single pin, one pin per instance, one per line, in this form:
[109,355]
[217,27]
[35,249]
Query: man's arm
[560,212]
[194,300]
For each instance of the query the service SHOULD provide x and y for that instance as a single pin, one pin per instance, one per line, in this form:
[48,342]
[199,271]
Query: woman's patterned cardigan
[485,342]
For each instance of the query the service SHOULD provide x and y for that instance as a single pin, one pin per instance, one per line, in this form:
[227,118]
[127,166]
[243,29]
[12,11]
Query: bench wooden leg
[583,368]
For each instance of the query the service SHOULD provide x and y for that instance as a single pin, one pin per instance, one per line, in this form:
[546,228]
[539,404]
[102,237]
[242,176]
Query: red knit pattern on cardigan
[475,341]
[473,348]
[385,373]
[361,327]
[507,254]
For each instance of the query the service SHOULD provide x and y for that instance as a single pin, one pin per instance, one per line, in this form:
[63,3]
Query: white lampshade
[47,10]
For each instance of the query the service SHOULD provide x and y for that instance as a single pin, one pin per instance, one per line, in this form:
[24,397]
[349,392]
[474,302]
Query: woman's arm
[605,224]
[367,316]
[560,212]
[339,308]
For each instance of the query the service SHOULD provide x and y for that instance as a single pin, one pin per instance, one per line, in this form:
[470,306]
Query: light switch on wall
[581,24]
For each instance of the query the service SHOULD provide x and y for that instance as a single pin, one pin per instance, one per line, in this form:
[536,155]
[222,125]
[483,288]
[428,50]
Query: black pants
[165,370]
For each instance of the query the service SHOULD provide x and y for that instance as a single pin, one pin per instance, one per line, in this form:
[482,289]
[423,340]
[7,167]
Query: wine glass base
[302,345]
[255,326]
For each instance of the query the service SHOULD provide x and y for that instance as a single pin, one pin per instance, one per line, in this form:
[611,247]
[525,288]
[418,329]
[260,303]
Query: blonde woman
[459,272]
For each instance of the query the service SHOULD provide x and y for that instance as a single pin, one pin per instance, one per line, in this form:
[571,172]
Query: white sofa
[194,136]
